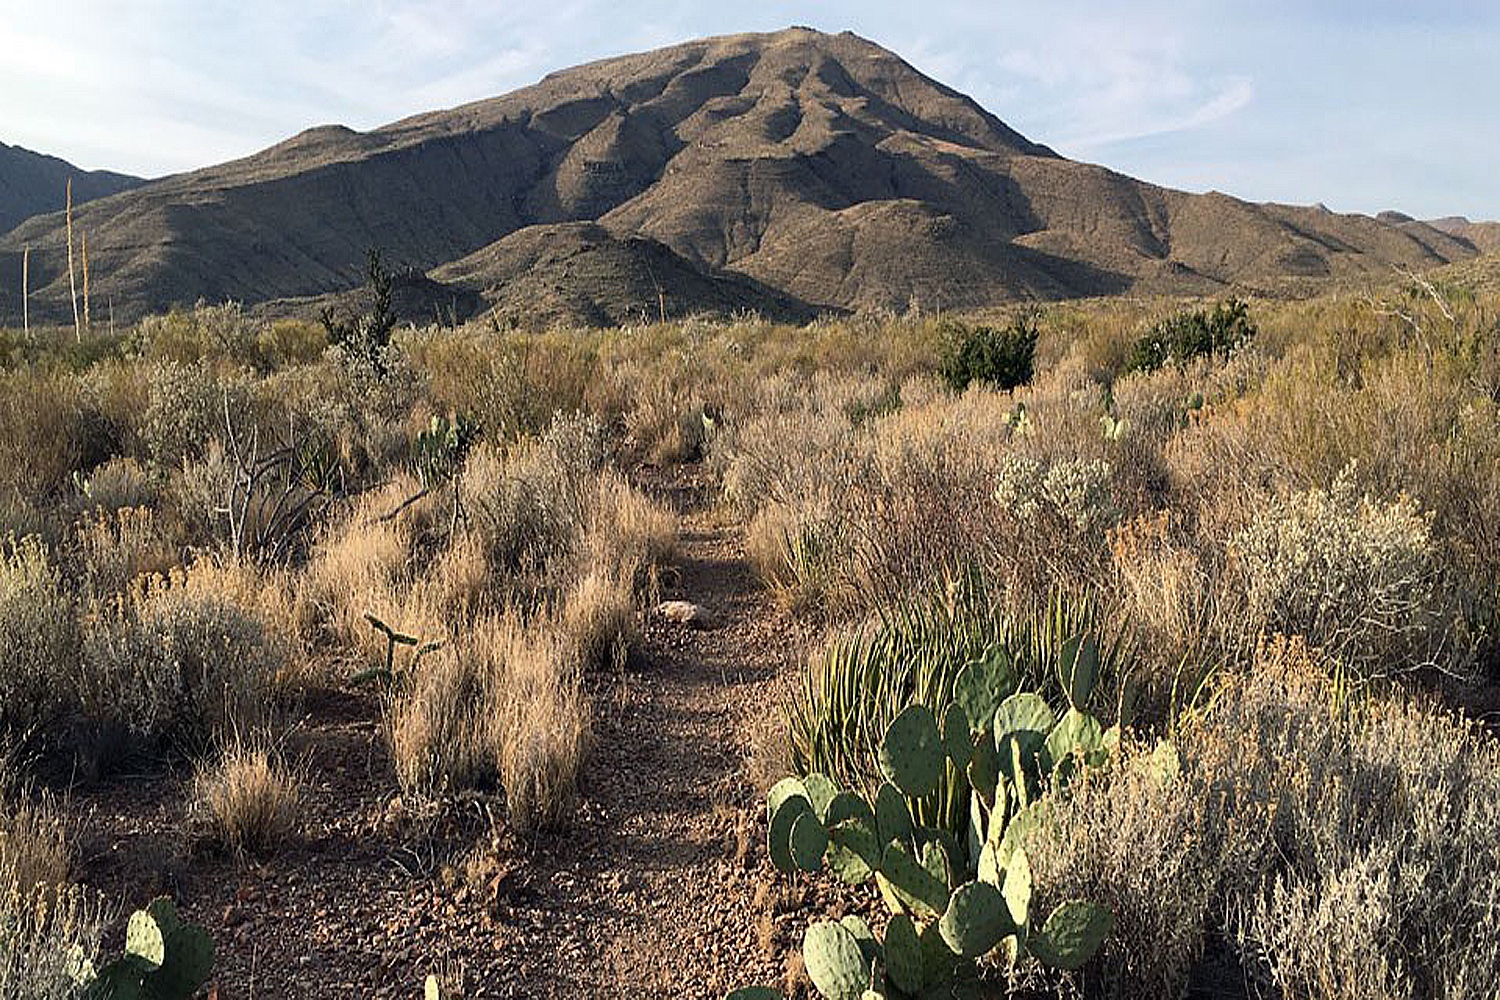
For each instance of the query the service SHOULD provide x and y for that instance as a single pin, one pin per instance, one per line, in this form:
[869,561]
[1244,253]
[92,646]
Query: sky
[1361,106]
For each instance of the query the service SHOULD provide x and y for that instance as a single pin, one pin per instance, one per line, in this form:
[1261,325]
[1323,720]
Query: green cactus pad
[990,869]
[869,946]
[787,803]
[190,961]
[848,805]
[976,920]
[118,980]
[431,990]
[1072,934]
[820,791]
[1076,732]
[856,850]
[145,941]
[808,842]
[981,684]
[784,789]
[984,768]
[892,817]
[937,855]
[911,755]
[976,831]
[835,963]
[755,993]
[918,888]
[939,964]
[958,741]
[903,955]
[1017,889]
[1026,716]
[1021,826]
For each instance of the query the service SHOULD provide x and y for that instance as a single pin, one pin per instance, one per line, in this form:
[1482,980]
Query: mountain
[794,170]
[1484,235]
[33,183]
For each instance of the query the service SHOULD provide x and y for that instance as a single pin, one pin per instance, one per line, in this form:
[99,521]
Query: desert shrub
[116,545]
[49,429]
[1367,834]
[246,800]
[286,342]
[38,636]
[184,413]
[859,514]
[119,483]
[46,936]
[1144,849]
[174,666]
[1193,334]
[205,333]
[1361,579]
[1000,357]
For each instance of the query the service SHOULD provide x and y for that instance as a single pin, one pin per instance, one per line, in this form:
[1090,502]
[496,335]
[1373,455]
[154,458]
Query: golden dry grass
[248,801]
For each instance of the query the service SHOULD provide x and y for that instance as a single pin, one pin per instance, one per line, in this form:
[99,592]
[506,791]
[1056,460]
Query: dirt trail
[665,862]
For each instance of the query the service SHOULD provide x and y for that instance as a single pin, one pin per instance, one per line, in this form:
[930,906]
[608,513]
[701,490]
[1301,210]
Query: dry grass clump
[35,833]
[528,568]
[501,706]
[247,800]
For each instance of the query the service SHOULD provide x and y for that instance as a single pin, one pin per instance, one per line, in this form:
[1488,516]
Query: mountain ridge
[32,183]
[788,171]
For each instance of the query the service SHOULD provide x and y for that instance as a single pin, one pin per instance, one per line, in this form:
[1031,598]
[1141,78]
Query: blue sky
[1363,106]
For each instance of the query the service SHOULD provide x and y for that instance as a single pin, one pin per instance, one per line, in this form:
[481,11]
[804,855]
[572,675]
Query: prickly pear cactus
[952,901]
[165,958]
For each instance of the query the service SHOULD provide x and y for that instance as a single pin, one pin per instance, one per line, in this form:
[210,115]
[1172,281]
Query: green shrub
[1193,334]
[363,339]
[1000,357]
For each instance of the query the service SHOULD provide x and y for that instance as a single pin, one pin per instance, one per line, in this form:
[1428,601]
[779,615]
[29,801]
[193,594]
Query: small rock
[683,613]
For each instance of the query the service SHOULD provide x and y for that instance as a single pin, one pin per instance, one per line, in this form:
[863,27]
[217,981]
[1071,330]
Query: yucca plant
[914,652]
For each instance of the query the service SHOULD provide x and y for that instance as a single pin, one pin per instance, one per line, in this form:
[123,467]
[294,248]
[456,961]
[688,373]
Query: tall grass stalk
[72,284]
